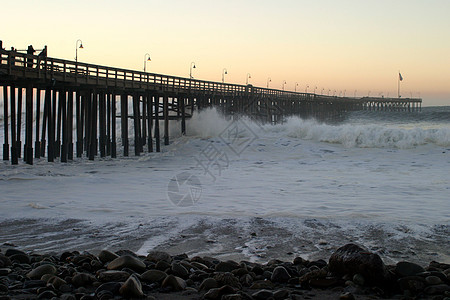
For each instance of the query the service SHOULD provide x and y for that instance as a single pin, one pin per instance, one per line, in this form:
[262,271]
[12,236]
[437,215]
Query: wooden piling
[37,143]
[19,122]
[28,147]
[149,122]
[124,123]
[14,153]
[5,123]
[113,128]
[157,134]
[166,119]
[136,117]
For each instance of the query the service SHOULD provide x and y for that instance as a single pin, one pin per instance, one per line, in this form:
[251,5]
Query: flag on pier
[400,77]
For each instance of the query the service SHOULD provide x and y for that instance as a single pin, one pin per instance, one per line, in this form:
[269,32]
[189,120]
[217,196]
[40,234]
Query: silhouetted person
[30,51]
[43,53]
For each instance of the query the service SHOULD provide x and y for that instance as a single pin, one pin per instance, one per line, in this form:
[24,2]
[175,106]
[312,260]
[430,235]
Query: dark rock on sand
[152,276]
[405,268]
[132,288]
[437,289]
[280,274]
[174,283]
[207,284]
[113,275]
[110,287]
[38,272]
[179,270]
[262,295]
[227,266]
[352,259]
[106,256]
[127,261]
[156,256]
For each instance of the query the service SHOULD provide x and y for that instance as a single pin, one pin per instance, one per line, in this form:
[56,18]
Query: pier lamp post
[306,89]
[76,49]
[328,94]
[321,92]
[146,59]
[268,80]
[248,77]
[315,88]
[354,94]
[334,93]
[192,67]
[295,87]
[224,72]
[340,93]
[284,82]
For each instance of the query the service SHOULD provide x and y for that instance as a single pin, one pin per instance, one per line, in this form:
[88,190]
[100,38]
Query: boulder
[127,261]
[352,259]
[132,288]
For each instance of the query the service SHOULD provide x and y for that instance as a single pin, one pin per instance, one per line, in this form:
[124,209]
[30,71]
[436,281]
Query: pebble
[38,272]
[156,256]
[207,284]
[280,274]
[132,288]
[433,280]
[152,276]
[106,256]
[5,271]
[358,279]
[262,295]
[82,279]
[405,268]
[127,261]
[113,275]
[227,266]
[179,270]
[173,282]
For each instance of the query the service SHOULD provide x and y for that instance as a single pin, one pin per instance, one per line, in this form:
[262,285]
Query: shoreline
[349,273]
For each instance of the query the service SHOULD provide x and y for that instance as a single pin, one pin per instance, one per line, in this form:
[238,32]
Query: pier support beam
[166,119]
[5,123]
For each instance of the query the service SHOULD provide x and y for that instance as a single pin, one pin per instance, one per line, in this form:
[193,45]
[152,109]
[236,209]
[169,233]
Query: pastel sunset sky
[351,46]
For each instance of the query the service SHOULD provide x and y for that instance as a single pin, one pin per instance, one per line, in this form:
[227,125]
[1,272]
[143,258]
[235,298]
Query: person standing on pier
[30,51]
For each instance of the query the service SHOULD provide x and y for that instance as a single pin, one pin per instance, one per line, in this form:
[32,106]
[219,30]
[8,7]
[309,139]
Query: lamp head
[148,59]
[81,46]
[194,66]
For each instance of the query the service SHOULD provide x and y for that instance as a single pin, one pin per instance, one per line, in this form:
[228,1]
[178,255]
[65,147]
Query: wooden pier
[71,107]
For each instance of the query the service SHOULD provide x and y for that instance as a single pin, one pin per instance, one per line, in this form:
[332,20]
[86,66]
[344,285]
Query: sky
[356,47]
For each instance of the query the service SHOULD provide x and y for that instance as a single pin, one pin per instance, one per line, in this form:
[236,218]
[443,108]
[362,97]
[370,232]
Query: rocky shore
[350,273]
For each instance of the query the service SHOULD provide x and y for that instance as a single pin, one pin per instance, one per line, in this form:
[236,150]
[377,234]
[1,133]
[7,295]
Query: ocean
[241,190]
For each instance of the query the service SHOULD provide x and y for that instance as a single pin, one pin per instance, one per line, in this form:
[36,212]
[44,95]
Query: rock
[227,279]
[10,252]
[162,265]
[433,280]
[46,295]
[219,292]
[152,276]
[4,261]
[232,297]
[38,272]
[281,294]
[227,266]
[352,259]
[261,284]
[405,268]
[156,256]
[56,282]
[82,279]
[20,258]
[106,256]
[179,270]
[358,279]
[437,289]
[207,284]
[280,274]
[67,297]
[30,284]
[412,283]
[132,288]
[3,289]
[127,261]
[111,287]
[323,283]
[246,280]
[173,282]
[5,271]
[262,295]
[199,266]
[347,296]
[113,275]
